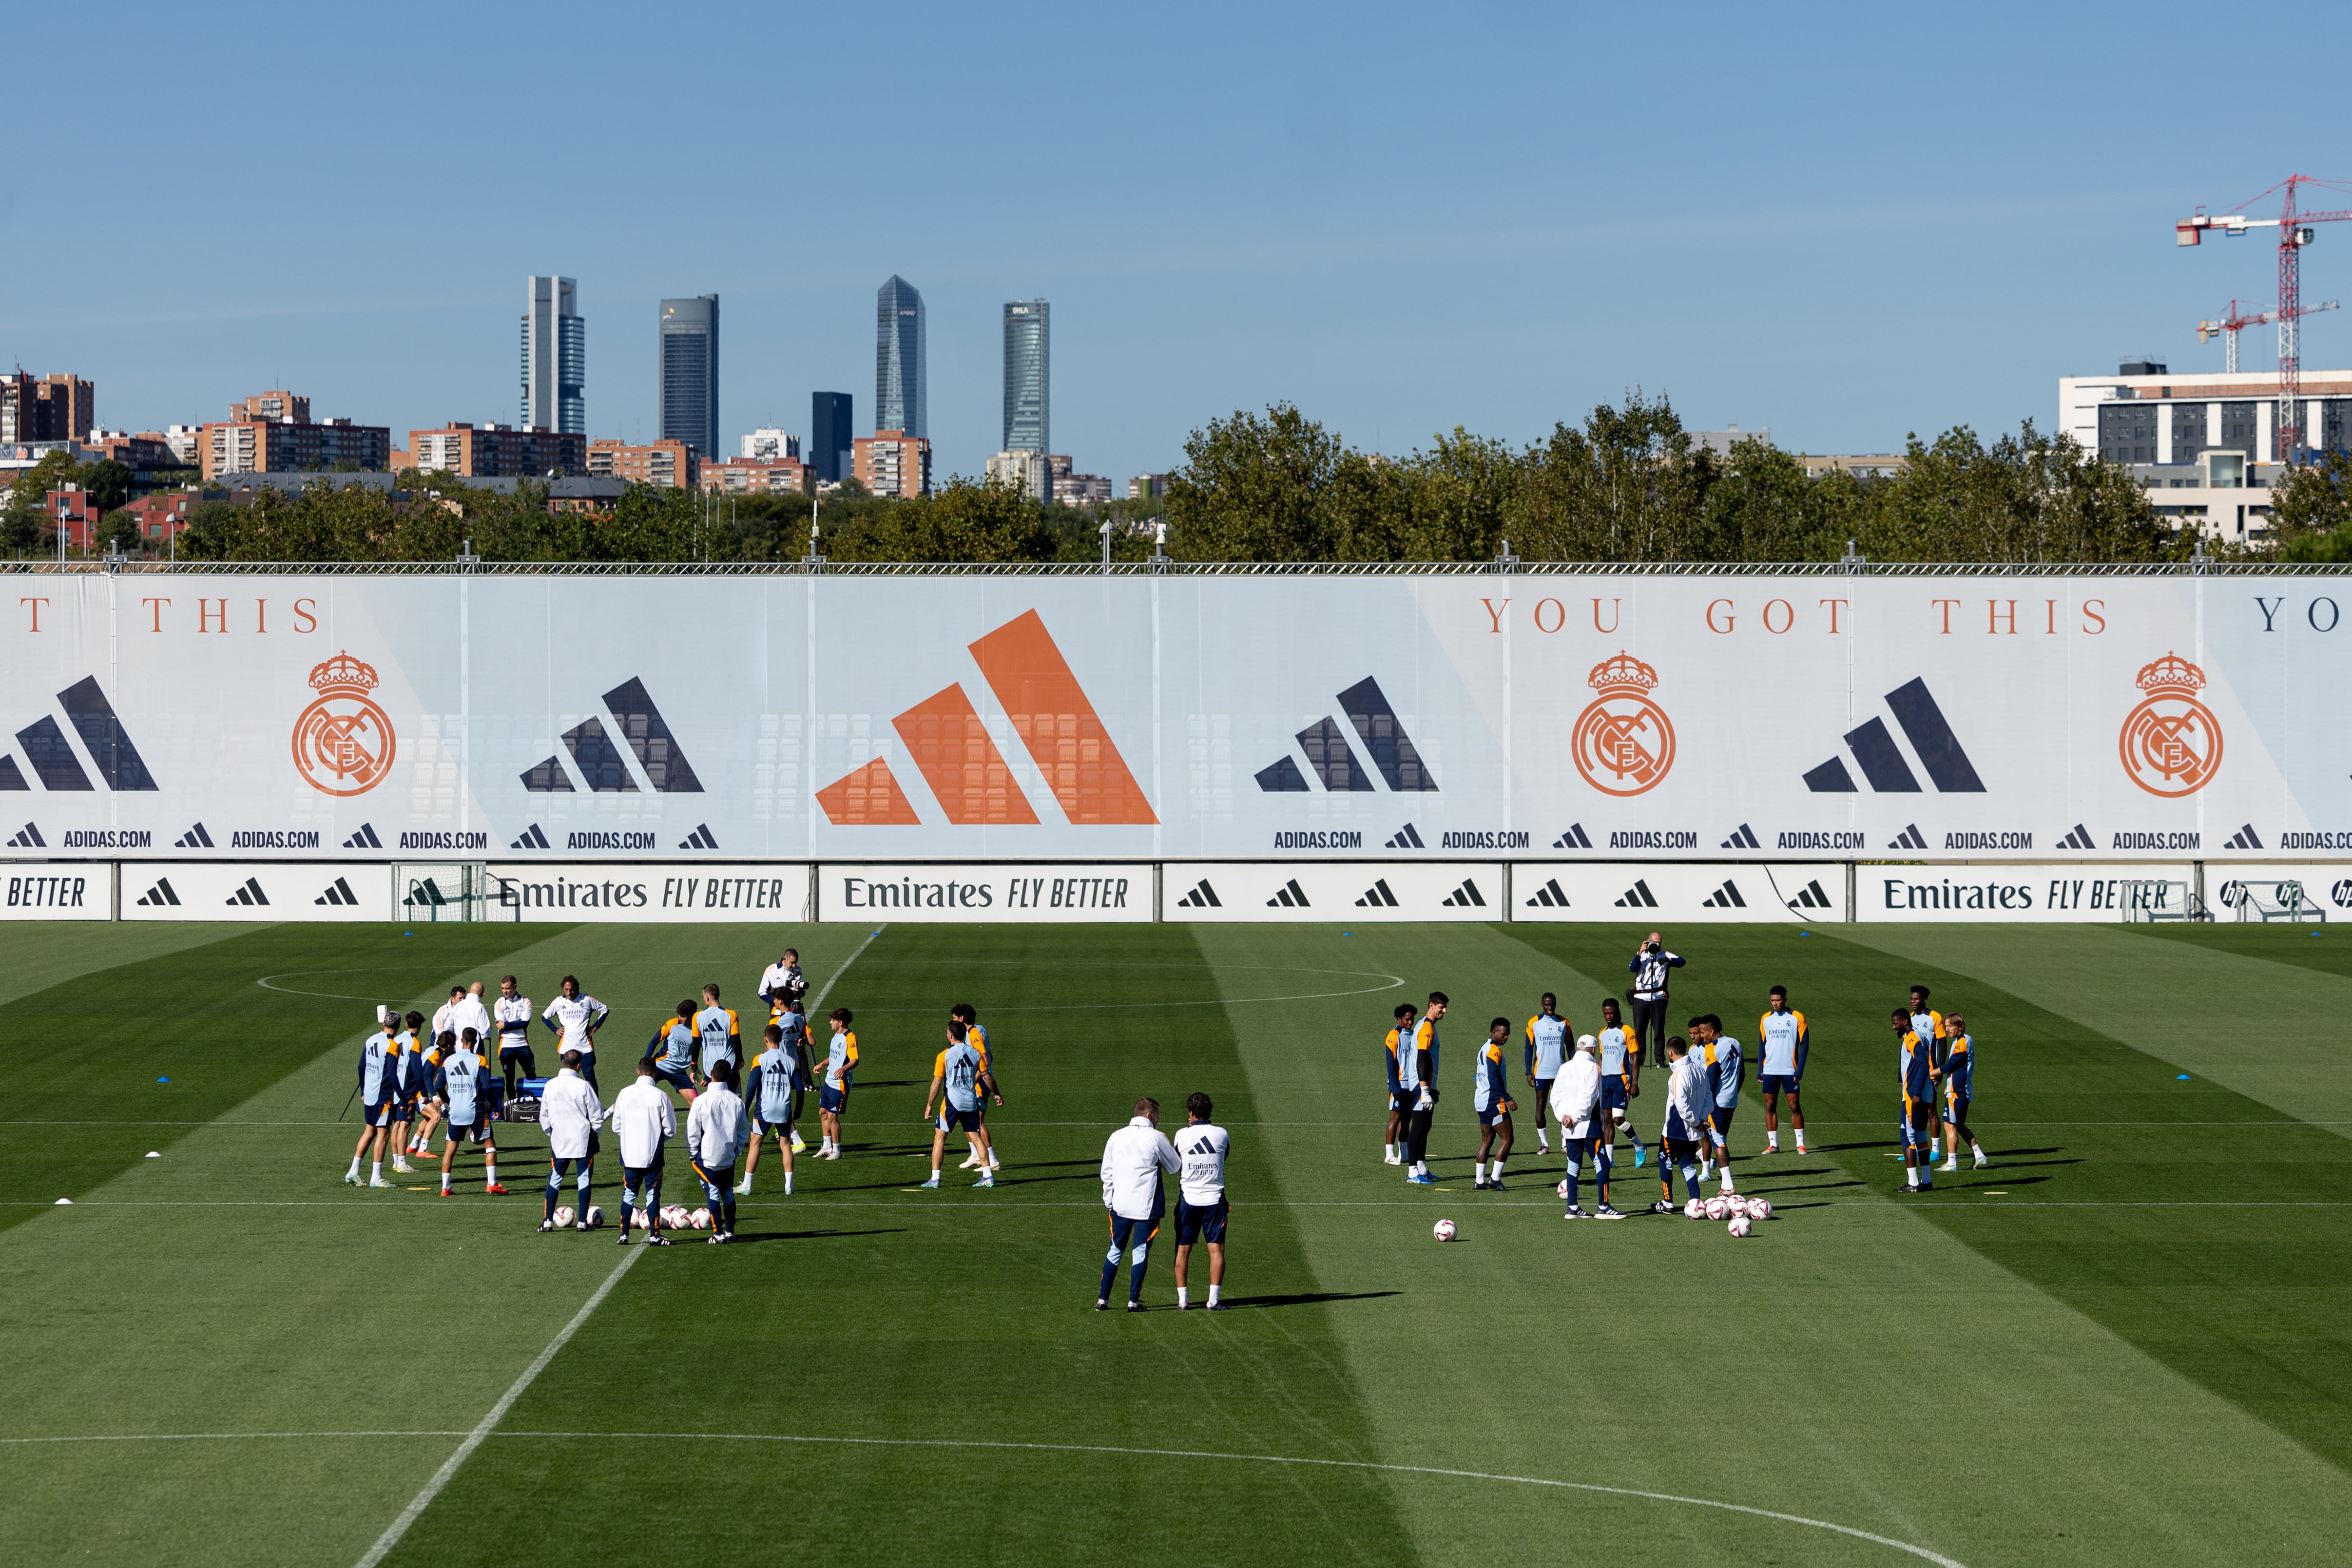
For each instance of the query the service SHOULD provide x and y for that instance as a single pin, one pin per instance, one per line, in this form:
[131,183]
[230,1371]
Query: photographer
[1647,999]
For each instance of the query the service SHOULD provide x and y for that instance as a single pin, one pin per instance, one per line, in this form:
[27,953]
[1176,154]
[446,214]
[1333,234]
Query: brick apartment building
[756,476]
[664,465]
[272,432]
[496,451]
[46,408]
[892,463]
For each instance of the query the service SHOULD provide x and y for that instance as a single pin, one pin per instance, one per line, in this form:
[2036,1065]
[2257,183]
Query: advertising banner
[1287,890]
[589,719]
[1655,892]
[57,892]
[966,894]
[255,890]
[2080,892]
[682,894]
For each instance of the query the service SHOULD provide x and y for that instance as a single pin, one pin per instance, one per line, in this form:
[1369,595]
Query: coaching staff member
[1647,999]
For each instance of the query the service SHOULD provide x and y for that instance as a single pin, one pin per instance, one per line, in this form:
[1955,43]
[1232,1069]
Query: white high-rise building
[554,358]
[764,446]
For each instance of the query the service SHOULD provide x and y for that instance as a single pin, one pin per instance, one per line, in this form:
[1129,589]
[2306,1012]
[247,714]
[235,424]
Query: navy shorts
[838,1101]
[385,1114]
[675,1077]
[1397,1100]
[1543,1096]
[1613,1091]
[1721,1120]
[954,1121]
[1778,1083]
[477,1131]
[1493,1118]
[1202,1222]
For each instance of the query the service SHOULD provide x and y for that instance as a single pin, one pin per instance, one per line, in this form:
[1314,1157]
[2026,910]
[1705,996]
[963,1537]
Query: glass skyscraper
[900,392]
[831,433]
[689,372]
[554,358]
[1028,376]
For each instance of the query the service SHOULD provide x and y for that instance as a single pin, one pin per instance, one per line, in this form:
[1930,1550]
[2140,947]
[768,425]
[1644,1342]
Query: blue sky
[1843,223]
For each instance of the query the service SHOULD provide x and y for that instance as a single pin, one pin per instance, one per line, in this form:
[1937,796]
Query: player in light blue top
[1547,1047]
[462,1082]
[1959,1090]
[1620,1058]
[1783,1040]
[770,1095]
[1726,1072]
[379,1092]
[720,1035]
[672,1050]
[1490,1098]
[955,1087]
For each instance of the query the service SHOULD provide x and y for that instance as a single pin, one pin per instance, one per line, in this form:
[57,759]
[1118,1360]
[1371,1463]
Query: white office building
[766,445]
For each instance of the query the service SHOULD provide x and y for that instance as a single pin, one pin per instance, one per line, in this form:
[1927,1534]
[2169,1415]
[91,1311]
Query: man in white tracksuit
[1576,1106]
[570,1113]
[717,1129]
[641,1124]
[1133,1159]
[1690,1103]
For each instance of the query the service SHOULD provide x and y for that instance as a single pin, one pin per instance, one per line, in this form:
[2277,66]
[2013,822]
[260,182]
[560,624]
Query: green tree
[978,521]
[1255,488]
[25,522]
[2026,498]
[1627,486]
[2311,510]
[119,529]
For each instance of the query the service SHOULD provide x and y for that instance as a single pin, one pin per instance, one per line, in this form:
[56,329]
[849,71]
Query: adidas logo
[602,764]
[1378,896]
[54,762]
[1289,895]
[1406,839]
[365,839]
[1809,896]
[1743,837]
[1724,897]
[337,893]
[1549,896]
[1638,897]
[2080,838]
[1909,837]
[1201,897]
[159,895]
[1333,760]
[2244,839]
[946,741]
[533,839]
[195,838]
[1881,761]
[1573,838]
[28,838]
[424,893]
[248,895]
[1463,897]
[700,838]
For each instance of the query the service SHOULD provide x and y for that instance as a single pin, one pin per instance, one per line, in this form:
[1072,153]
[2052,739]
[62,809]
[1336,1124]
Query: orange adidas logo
[952,749]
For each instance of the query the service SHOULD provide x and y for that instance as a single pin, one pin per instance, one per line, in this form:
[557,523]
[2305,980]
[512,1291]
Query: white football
[563,1218]
[1562,1190]
[1444,1230]
[1735,1203]
[1740,1225]
[699,1219]
[1695,1209]
[636,1219]
[1717,1208]
[594,1219]
[1760,1208]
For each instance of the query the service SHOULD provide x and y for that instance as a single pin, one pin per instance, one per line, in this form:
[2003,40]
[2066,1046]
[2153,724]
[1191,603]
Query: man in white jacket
[1690,1104]
[570,1113]
[717,1129]
[1133,1159]
[643,1123]
[1576,1106]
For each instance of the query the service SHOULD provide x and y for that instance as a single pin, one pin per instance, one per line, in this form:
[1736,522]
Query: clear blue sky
[1845,224]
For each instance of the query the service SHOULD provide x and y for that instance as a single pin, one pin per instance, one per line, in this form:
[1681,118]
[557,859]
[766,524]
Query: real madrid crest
[1623,742]
[343,742]
[2171,743]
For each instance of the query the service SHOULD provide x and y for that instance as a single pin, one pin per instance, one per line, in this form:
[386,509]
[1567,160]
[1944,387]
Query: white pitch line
[449,1467]
[824,991]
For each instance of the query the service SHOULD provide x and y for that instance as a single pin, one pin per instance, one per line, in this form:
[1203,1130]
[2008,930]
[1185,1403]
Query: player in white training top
[1200,1205]
[575,1018]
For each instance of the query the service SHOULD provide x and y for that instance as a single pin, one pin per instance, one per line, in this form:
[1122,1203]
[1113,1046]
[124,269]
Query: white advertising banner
[1026,894]
[598,719]
[255,890]
[1288,890]
[1683,894]
[588,891]
[58,891]
[2253,892]
[2018,893]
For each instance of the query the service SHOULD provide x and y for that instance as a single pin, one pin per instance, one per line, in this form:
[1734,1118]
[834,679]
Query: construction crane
[2294,232]
[2229,326]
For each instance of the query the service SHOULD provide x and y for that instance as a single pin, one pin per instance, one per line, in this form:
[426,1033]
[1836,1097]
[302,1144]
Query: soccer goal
[2268,900]
[2153,900]
[440,890]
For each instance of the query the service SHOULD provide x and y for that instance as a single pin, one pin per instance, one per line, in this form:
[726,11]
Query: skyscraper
[1028,376]
[689,372]
[832,432]
[899,395]
[554,358]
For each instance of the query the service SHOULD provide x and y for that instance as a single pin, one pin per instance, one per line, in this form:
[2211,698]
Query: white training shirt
[512,1015]
[642,1123]
[1132,1159]
[569,1110]
[717,1129]
[470,1014]
[1202,1147]
[1574,1094]
[573,1015]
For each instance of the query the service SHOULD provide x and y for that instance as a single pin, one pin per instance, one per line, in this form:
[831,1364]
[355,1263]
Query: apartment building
[892,463]
[46,408]
[664,464]
[496,451]
[756,476]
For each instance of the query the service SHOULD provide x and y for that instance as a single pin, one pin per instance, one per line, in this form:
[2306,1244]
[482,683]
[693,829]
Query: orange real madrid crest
[2171,743]
[1623,742]
[343,742]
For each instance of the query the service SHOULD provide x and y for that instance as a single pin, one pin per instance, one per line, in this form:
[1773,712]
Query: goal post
[437,891]
[2148,900]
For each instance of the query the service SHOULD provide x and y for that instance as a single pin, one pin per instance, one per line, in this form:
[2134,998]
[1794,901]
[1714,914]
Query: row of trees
[1628,484]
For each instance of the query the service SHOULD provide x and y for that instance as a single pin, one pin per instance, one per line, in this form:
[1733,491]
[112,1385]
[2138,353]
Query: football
[636,1219]
[699,1219]
[1716,1207]
[563,1218]
[1562,1190]
[1740,1225]
[1735,1203]
[1444,1230]
[1760,1208]
[593,1218]
[1695,1209]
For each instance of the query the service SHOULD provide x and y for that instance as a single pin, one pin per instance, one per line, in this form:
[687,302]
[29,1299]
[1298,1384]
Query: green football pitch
[2128,1341]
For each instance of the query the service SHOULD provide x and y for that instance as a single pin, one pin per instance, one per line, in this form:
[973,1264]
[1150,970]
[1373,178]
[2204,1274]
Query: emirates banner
[955,719]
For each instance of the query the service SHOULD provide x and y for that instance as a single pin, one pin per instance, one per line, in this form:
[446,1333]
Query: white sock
[745,1191]
[935,1173]
[1497,1175]
[1479,1171]
[1179,1296]
[444,1181]
[1771,1140]
[377,1173]
[490,1174]
[788,1184]
[355,1165]
[1212,1293]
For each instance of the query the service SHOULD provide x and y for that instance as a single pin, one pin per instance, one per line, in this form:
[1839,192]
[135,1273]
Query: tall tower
[554,358]
[833,435]
[1028,376]
[689,372]
[899,394]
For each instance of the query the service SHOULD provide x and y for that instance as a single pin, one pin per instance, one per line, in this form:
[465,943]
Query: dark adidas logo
[365,839]
[248,896]
[533,839]
[1464,898]
[159,895]
[44,742]
[424,893]
[2244,838]
[1724,897]
[339,893]
[1810,897]
[1910,838]
[1638,897]
[1549,896]
[1378,896]
[1333,760]
[702,838]
[195,838]
[1573,838]
[1743,837]
[1882,762]
[2080,838]
[1201,897]
[29,837]
[1406,839]
[1289,895]
[602,764]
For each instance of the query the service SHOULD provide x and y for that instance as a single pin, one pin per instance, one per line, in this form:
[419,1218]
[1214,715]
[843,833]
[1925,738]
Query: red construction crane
[2229,326]
[2294,232]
